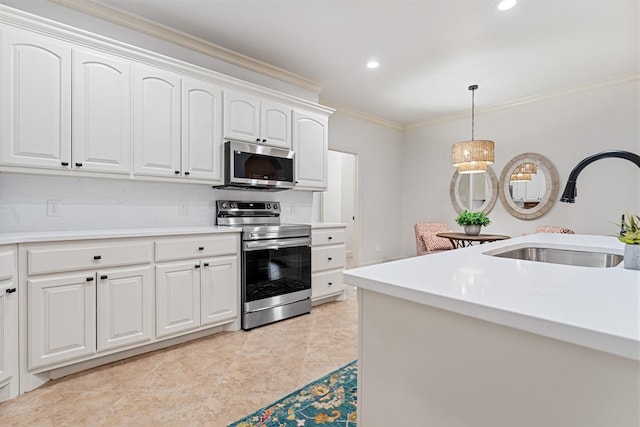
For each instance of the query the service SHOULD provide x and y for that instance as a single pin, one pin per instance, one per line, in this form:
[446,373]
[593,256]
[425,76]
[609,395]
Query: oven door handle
[259,245]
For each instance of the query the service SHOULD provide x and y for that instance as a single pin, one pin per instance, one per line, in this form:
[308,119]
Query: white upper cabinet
[248,118]
[275,124]
[310,143]
[36,102]
[201,131]
[156,118]
[101,113]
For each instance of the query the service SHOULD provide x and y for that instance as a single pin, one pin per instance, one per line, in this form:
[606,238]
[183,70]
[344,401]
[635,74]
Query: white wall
[88,203]
[564,129]
[379,151]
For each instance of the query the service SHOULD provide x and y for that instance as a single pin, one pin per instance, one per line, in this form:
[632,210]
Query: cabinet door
[220,288]
[35,102]
[8,325]
[156,122]
[124,307]
[177,297]
[101,113]
[310,142]
[241,116]
[201,131]
[275,125]
[61,318]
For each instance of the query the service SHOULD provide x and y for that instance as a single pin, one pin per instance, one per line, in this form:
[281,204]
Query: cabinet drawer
[327,236]
[327,257]
[85,255]
[198,246]
[326,283]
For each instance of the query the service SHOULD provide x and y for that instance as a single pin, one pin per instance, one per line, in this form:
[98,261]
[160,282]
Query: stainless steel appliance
[257,167]
[276,262]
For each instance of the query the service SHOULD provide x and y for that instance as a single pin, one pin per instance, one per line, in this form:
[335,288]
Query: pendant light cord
[473,105]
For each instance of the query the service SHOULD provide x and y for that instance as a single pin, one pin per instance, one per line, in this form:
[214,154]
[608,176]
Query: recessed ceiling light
[506,4]
[373,64]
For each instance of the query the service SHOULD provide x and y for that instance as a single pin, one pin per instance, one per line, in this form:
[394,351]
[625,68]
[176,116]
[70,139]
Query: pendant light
[475,155]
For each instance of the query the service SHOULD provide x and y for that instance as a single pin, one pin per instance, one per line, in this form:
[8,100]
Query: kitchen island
[462,338]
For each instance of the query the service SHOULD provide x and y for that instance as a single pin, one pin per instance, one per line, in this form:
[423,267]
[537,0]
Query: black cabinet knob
[176,172]
[89,279]
[104,277]
[97,257]
[187,173]
[206,264]
[330,283]
[330,237]
[201,248]
[329,258]
[11,290]
[257,139]
[78,165]
[197,265]
[64,163]
[264,140]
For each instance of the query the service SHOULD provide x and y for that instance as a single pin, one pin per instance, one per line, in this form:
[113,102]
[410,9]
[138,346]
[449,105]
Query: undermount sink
[562,256]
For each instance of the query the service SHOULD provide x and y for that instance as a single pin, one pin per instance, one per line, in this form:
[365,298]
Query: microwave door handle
[275,245]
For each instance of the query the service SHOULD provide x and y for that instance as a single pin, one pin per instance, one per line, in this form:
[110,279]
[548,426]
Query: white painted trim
[183,39]
[528,100]
[362,115]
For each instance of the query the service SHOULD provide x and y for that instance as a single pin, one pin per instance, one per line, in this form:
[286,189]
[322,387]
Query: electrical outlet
[53,207]
[183,207]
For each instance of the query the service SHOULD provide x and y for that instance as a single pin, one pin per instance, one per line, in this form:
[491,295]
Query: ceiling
[429,51]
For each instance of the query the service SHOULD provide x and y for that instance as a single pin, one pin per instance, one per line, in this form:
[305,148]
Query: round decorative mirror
[529,186]
[474,191]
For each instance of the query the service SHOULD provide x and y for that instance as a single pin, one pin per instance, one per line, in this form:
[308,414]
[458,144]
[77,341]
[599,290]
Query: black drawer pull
[176,172]
[330,258]
[78,165]
[89,279]
[104,277]
[11,290]
[330,283]
[201,248]
[97,257]
[264,140]
[257,139]
[64,163]
[197,266]
[329,237]
[206,264]
[187,173]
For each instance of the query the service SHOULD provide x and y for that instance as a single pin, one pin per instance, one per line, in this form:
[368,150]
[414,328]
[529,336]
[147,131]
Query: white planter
[632,257]
[472,230]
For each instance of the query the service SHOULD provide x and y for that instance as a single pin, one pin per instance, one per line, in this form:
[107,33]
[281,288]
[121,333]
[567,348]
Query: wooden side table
[462,240]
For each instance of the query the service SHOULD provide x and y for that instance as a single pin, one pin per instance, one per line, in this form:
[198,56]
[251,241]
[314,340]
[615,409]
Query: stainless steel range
[276,262]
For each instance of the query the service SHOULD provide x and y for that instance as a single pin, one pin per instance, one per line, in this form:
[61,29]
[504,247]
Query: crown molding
[190,42]
[527,100]
[361,115]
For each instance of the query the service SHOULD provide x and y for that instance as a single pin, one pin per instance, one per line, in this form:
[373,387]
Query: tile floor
[212,381]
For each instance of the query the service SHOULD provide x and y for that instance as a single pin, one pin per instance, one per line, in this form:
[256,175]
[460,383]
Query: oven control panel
[240,208]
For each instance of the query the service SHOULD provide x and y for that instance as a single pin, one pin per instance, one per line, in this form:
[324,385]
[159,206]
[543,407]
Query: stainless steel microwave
[257,167]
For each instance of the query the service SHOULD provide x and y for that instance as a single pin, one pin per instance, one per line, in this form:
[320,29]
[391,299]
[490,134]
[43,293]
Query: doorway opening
[340,200]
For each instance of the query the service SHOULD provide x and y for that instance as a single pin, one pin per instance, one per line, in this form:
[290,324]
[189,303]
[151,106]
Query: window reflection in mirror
[475,191]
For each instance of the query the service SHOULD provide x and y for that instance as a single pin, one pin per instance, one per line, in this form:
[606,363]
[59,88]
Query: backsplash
[30,203]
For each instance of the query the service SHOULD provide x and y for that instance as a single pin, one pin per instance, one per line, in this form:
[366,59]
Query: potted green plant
[630,236]
[472,221]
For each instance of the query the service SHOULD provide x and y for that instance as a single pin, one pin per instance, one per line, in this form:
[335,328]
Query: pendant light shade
[475,155]
[520,177]
[526,168]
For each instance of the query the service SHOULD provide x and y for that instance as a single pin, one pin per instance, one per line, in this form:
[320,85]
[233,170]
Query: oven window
[272,272]
[258,166]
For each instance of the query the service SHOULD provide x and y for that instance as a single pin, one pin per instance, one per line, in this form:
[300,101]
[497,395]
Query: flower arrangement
[630,230]
[472,218]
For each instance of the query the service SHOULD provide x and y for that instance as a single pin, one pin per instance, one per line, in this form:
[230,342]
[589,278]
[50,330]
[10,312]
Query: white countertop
[598,308]
[53,236]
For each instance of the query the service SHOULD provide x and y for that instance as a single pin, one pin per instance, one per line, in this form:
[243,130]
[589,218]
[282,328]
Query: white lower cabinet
[196,292]
[79,314]
[8,323]
[328,259]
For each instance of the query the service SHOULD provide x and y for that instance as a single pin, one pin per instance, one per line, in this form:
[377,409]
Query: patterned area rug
[329,401]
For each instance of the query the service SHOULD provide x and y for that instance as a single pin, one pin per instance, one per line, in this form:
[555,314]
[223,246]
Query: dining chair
[426,239]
